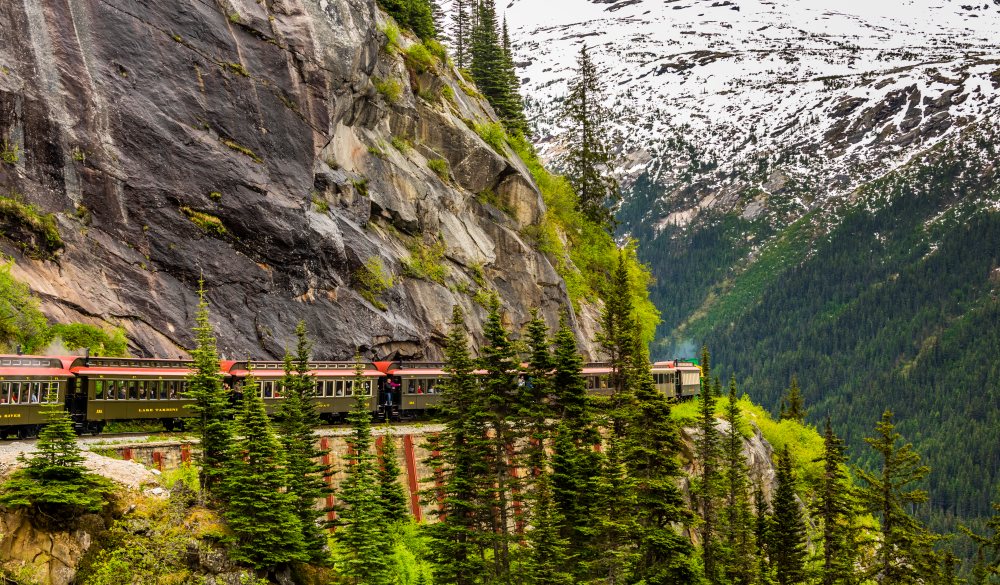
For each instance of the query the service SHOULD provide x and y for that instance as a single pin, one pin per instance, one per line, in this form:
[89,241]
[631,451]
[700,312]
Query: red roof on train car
[49,372]
[98,371]
[313,373]
[418,372]
[59,369]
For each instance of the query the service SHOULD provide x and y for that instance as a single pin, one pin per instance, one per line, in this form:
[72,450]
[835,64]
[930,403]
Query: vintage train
[98,390]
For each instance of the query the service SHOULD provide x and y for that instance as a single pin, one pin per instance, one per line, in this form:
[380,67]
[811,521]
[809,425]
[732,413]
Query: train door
[390,397]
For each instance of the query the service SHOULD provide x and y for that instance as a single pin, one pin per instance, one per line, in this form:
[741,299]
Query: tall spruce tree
[576,463]
[392,498]
[988,543]
[708,486]
[210,400]
[261,514]
[616,341]
[461,18]
[493,68]
[793,406]
[456,539]
[834,508]
[416,15]
[615,523]
[440,21]
[501,388]
[651,449]
[548,551]
[513,113]
[740,564]
[762,536]
[298,421]
[53,483]
[364,557]
[590,156]
[905,543]
[535,407]
[788,530]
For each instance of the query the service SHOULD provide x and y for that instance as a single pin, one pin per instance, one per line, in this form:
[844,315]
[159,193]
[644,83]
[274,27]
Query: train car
[27,384]
[135,389]
[414,386]
[334,385]
[598,377]
[679,380]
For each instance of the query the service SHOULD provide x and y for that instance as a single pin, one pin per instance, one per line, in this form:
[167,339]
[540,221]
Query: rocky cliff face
[247,143]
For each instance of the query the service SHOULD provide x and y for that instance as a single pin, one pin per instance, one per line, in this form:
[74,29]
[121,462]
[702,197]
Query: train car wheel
[24,432]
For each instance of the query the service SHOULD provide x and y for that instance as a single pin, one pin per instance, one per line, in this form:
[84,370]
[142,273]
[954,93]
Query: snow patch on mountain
[725,102]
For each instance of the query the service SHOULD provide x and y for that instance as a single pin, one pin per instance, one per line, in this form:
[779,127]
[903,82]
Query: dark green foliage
[788,531]
[100,342]
[793,406]
[590,158]
[415,15]
[835,510]
[534,404]
[651,451]
[616,342]
[762,536]
[737,531]
[53,483]
[915,331]
[707,489]
[501,392]
[362,538]
[391,497]
[614,524]
[493,68]
[990,543]
[549,552]
[210,400]
[297,424]
[456,540]
[904,549]
[576,465]
[512,112]
[462,31]
[262,516]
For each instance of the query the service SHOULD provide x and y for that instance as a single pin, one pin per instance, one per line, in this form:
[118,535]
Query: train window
[266,388]
[15,392]
[4,392]
[278,389]
[340,387]
[52,392]
[411,387]
[163,389]
[329,388]
[368,388]
[349,388]
[99,389]
[133,390]
[432,386]
[604,382]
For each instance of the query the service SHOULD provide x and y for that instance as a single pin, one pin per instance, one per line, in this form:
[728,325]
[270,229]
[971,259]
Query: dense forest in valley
[888,299]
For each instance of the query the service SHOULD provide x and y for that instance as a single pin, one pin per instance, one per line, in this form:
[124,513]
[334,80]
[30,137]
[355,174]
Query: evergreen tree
[590,158]
[905,544]
[361,533]
[614,523]
[762,536]
[534,406]
[440,21]
[548,553]
[456,538]
[738,521]
[461,31]
[616,342]
[793,406]
[788,531]
[576,464]
[392,498]
[990,543]
[53,483]
[707,489]
[493,68]
[834,508]
[210,401]
[501,389]
[651,450]
[262,516]
[513,113]
[297,423]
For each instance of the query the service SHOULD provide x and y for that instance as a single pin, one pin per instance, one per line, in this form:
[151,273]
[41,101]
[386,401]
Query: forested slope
[888,299]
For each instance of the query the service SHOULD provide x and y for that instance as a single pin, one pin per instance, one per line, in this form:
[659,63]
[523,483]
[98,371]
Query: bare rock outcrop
[263,147]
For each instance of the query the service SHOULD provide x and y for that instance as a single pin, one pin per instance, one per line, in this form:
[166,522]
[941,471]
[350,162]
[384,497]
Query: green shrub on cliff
[54,485]
[21,321]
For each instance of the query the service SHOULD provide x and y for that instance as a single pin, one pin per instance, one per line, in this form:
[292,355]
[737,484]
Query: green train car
[27,384]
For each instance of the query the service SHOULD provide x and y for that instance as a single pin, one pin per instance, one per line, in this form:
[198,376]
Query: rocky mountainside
[284,151]
[814,186]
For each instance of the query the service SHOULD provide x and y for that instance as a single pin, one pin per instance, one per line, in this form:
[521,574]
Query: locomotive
[98,390]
